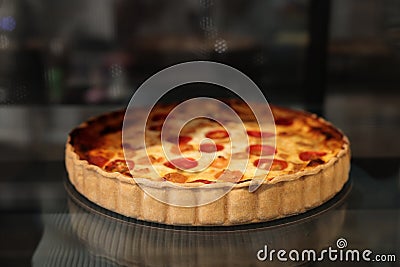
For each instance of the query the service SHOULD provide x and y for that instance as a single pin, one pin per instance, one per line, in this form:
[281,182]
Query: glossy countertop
[39,214]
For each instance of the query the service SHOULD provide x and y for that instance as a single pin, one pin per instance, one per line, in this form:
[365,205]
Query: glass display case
[62,62]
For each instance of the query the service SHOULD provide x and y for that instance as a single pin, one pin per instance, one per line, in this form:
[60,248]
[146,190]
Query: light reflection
[220,46]
[116,70]
[207,3]
[4,42]
[206,23]
[8,23]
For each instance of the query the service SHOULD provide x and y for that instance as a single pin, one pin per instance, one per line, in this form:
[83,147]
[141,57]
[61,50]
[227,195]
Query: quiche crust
[282,196]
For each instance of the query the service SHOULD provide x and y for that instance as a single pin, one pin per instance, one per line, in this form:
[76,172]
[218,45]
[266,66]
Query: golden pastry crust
[286,194]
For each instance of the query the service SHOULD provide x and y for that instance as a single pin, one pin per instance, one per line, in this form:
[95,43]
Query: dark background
[64,61]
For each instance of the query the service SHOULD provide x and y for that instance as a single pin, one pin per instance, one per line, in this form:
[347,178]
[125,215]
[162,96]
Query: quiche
[305,166]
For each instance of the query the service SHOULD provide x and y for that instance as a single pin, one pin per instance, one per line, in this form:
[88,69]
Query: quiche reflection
[131,242]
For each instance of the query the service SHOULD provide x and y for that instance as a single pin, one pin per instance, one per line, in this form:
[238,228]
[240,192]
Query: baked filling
[303,142]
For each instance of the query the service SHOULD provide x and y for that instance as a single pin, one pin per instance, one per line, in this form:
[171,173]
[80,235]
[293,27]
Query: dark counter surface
[32,195]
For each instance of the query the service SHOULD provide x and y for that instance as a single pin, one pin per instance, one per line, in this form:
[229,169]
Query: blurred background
[61,61]
[64,61]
